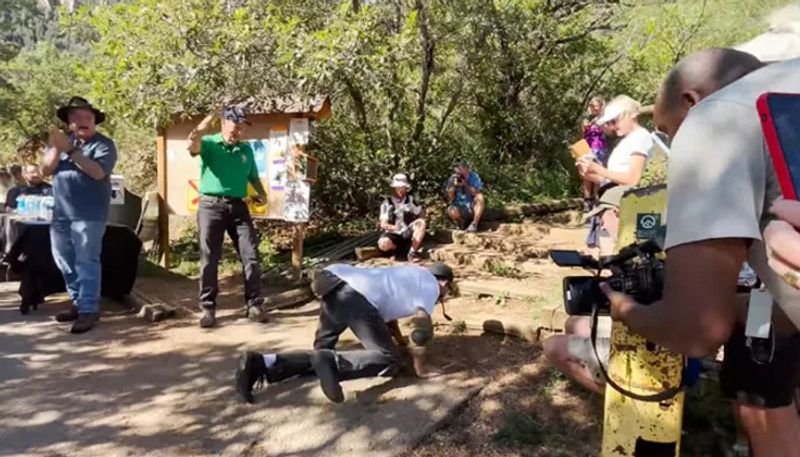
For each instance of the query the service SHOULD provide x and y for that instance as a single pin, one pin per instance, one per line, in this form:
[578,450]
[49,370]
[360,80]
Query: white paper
[278,143]
[117,190]
[759,314]
[170,155]
[298,130]
[296,201]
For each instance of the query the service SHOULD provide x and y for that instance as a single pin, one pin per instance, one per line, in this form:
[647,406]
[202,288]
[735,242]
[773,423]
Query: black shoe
[209,318]
[84,323]
[250,373]
[324,363]
[68,315]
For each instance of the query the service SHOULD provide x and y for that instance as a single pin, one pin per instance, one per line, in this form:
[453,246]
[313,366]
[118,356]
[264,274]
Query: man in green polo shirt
[227,165]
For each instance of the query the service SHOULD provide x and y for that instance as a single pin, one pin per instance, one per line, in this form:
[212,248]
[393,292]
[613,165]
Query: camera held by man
[637,270]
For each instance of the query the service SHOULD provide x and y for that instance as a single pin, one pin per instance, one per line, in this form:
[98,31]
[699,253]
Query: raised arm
[50,160]
[196,135]
[96,168]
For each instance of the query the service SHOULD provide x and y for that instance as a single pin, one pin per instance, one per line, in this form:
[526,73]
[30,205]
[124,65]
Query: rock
[157,312]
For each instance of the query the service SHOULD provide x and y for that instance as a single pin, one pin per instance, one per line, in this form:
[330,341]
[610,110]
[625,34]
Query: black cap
[82,103]
[441,271]
[236,115]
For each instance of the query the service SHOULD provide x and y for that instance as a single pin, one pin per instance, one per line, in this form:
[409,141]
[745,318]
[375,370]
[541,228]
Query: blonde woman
[628,160]
[572,352]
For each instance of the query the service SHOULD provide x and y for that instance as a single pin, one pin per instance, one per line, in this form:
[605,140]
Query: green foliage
[658,34]
[36,81]
[415,84]
[505,270]
[459,327]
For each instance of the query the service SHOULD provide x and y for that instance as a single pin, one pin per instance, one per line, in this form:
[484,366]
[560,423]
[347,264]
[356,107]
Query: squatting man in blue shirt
[368,301]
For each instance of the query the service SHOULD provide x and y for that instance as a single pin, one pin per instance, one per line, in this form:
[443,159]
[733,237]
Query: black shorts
[467,215]
[769,385]
[402,244]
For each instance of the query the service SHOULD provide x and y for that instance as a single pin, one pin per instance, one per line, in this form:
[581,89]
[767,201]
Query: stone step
[469,258]
[499,287]
[528,229]
[486,260]
[573,218]
[522,246]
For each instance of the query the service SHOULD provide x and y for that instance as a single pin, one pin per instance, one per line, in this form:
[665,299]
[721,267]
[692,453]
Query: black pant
[341,309]
[215,216]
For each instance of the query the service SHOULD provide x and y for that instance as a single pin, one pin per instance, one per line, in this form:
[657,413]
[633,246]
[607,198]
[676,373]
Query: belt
[221,198]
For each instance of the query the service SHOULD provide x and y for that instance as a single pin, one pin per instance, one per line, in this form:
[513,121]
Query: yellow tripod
[634,427]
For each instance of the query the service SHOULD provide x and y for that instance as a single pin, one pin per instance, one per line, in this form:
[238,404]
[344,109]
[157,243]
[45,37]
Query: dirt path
[130,388]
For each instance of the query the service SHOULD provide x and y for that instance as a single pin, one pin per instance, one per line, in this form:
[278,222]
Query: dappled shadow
[527,409]
[128,387]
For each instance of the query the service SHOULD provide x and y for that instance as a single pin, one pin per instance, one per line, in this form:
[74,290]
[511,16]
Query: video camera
[637,270]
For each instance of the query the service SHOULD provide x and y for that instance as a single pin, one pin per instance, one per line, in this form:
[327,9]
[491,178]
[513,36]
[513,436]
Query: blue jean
[76,249]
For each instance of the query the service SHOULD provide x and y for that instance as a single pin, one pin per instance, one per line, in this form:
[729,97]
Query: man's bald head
[696,77]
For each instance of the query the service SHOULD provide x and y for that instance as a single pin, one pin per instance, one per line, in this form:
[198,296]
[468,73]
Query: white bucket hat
[400,180]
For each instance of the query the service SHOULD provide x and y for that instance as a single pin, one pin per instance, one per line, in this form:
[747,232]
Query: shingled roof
[286,105]
[318,106]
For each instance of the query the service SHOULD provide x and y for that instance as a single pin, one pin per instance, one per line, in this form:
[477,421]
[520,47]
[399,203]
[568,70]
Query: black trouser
[344,308]
[215,216]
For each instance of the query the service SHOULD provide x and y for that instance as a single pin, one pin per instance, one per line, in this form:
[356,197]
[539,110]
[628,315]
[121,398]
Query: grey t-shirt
[721,182]
[78,197]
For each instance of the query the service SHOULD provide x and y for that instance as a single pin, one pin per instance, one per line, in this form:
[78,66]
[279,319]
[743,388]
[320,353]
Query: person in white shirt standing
[626,164]
[368,301]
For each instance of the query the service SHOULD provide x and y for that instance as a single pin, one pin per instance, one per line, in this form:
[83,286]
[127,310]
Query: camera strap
[661,396]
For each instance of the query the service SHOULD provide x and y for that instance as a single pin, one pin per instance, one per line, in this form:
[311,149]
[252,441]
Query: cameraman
[465,195]
[721,185]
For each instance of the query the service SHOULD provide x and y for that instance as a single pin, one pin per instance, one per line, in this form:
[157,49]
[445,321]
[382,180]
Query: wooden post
[297,249]
[163,208]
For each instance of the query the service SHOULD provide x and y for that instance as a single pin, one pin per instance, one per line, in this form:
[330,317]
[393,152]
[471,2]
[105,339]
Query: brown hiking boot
[68,315]
[256,311]
[209,318]
[84,323]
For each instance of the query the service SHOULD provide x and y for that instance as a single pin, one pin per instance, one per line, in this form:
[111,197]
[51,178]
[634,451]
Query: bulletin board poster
[277,175]
[298,131]
[192,195]
[261,156]
[296,201]
[256,210]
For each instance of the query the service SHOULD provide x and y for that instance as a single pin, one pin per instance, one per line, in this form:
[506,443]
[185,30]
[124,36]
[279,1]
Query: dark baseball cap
[441,271]
[236,115]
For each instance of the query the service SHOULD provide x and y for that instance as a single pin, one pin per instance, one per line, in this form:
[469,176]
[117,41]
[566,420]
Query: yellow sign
[633,427]
[193,198]
[192,195]
[255,209]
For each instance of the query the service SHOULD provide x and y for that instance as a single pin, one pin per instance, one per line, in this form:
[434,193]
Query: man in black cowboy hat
[368,301]
[227,166]
[81,164]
